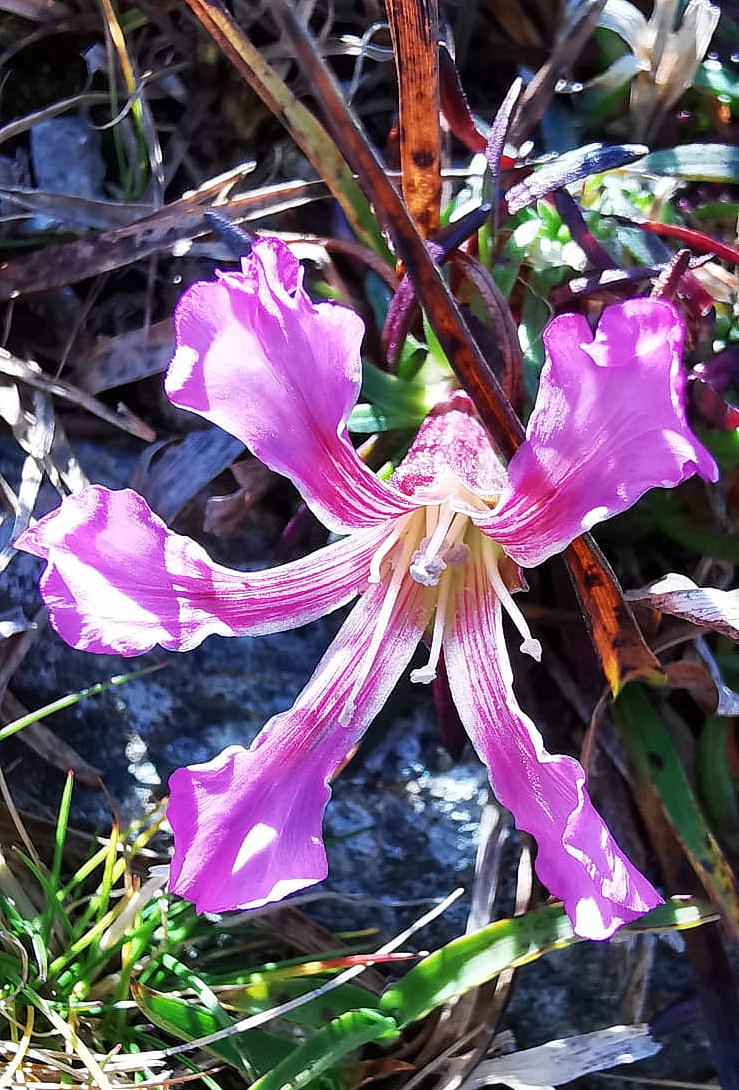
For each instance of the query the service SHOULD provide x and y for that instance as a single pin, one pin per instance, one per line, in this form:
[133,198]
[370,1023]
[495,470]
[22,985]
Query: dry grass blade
[414,27]
[26,407]
[78,212]
[168,478]
[528,30]
[305,129]
[42,740]
[126,358]
[16,128]
[57,266]
[538,94]
[38,11]
[17,368]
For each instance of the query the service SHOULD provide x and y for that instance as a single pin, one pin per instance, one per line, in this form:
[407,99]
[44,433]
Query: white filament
[425,674]
[384,549]
[381,623]
[530,646]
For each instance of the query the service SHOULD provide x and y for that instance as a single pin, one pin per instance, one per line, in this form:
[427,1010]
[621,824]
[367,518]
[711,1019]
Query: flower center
[442,545]
[428,545]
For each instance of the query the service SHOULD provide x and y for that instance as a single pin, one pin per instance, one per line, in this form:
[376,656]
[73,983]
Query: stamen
[381,624]
[392,538]
[433,510]
[530,646]
[432,558]
[426,674]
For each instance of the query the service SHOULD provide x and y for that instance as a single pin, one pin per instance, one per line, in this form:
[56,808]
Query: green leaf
[694,162]
[674,518]
[472,960]
[365,420]
[326,1048]
[719,79]
[249,1052]
[266,990]
[716,783]
[659,771]
[388,393]
[723,445]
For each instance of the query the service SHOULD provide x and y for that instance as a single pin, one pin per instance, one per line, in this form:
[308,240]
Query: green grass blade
[60,835]
[327,1048]
[73,698]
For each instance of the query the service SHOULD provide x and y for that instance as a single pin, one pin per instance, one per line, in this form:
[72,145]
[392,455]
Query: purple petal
[450,442]
[578,859]
[247,826]
[118,581]
[609,424]
[257,357]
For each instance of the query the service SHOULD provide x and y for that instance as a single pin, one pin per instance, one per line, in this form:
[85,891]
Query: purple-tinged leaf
[611,284]
[568,168]
[499,129]
[402,310]
[454,104]
[573,218]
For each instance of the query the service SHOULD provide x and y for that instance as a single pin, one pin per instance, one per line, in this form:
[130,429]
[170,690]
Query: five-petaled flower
[434,552]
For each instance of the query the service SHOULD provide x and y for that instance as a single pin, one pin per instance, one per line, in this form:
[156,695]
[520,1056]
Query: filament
[427,673]
[381,625]
[530,646]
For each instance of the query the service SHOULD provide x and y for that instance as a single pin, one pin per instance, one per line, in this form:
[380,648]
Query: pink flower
[436,551]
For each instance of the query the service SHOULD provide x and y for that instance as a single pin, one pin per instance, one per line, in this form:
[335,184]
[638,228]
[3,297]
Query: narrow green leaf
[694,162]
[659,771]
[326,1048]
[365,420]
[723,445]
[720,80]
[73,698]
[716,782]
[472,960]
[390,394]
[268,990]
[51,907]
[670,514]
[187,1020]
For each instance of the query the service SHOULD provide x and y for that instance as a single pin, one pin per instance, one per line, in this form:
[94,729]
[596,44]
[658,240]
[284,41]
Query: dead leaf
[414,28]
[681,597]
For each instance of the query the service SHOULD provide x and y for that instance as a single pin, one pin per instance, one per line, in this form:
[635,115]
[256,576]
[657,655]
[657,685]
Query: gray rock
[66,157]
